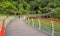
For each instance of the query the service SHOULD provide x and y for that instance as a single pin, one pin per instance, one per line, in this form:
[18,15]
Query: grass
[57,28]
[47,26]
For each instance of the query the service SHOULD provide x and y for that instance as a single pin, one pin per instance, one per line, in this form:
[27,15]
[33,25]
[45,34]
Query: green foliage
[54,4]
[57,13]
[7,7]
[18,7]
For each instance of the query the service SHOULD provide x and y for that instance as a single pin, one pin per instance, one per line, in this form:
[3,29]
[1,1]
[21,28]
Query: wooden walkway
[19,28]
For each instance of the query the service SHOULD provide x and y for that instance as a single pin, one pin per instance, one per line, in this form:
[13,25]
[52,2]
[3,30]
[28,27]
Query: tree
[56,13]
[54,4]
[7,7]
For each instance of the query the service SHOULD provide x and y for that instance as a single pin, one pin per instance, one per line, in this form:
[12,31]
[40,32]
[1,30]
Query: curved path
[19,28]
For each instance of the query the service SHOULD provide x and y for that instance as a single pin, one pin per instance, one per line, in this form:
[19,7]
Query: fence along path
[20,28]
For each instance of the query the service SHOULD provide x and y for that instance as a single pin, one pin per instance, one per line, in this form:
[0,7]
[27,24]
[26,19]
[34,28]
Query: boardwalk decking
[19,28]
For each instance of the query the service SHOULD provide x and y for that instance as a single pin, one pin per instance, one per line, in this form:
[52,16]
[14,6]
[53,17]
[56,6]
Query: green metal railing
[9,19]
[47,26]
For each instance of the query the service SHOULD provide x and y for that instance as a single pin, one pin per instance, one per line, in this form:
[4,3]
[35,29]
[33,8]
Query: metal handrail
[41,24]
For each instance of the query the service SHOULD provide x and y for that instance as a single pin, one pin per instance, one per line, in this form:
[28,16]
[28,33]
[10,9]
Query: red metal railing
[34,17]
[2,33]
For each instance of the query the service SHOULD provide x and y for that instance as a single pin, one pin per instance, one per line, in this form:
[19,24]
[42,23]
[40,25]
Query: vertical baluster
[52,28]
[39,23]
[32,22]
[28,20]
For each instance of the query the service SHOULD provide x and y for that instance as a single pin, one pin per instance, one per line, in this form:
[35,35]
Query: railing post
[52,28]
[32,22]
[39,23]
[24,17]
[28,20]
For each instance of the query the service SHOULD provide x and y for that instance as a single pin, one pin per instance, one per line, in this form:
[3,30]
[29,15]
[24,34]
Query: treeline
[17,7]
